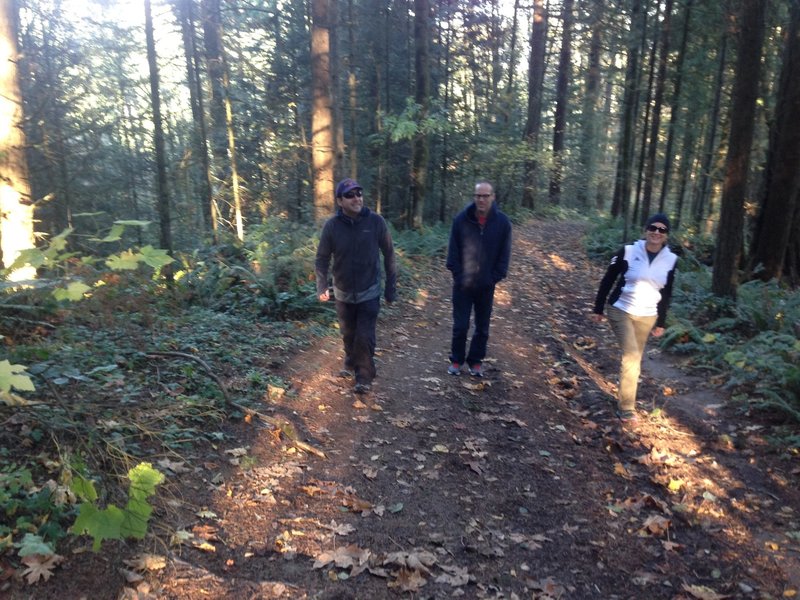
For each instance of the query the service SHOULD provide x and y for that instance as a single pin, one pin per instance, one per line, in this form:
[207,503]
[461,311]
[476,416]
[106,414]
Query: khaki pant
[632,333]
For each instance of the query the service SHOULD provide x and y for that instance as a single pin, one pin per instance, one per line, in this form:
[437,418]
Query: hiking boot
[361,388]
[475,370]
[628,416]
[346,373]
[454,369]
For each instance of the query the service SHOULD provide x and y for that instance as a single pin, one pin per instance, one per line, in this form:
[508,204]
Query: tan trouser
[632,335]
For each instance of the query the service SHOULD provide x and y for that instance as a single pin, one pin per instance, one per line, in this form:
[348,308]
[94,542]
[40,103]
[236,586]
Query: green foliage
[28,510]
[412,121]
[604,239]
[429,242]
[751,343]
[34,544]
[112,522]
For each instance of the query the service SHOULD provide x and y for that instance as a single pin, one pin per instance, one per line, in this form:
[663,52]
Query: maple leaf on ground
[655,525]
[408,580]
[345,557]
[40,566]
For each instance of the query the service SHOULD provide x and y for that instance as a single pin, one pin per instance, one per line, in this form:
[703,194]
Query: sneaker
[454,369]
[628,416]
[475,370]
[361,388]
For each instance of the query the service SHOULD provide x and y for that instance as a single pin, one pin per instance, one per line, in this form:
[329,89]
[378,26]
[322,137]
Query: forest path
[520,485]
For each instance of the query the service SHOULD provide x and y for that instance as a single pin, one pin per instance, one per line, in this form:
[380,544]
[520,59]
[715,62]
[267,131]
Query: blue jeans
[464,301]
[357,325]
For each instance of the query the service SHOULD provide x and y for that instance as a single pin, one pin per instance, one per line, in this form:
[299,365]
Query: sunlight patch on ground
[502,296]
[560,264]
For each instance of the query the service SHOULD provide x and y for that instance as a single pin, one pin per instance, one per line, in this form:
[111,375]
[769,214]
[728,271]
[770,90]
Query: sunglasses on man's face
[352,194]
[655,228]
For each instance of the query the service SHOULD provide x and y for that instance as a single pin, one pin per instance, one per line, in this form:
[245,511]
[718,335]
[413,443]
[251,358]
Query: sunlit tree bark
[202,167]
[223,140]
[16,211]
[322,138]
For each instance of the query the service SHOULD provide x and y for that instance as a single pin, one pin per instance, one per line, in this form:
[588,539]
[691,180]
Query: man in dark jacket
[353,238]
[478,255]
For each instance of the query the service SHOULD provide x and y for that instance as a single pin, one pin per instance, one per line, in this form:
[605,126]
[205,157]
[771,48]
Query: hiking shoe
[454,369]
[346,373]
[361,388]
[628,416]
[475,370]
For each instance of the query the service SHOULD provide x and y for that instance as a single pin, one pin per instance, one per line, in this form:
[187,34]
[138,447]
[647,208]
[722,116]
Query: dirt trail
[521,485]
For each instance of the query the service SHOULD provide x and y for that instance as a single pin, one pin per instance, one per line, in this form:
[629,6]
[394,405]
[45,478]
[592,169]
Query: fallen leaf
[408,580]
[702,592]
[147,562]
[40,566]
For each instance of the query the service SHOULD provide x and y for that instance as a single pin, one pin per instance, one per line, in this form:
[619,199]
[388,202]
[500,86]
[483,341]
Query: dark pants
[464,301]
[357,324]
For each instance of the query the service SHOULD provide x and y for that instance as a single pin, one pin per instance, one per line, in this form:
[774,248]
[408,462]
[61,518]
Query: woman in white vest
[637,305]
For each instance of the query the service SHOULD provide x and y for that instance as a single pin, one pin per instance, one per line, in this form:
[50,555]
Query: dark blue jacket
[354,245]
[479,256]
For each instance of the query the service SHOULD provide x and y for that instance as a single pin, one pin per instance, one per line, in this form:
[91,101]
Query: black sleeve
[616,267]
[666,298]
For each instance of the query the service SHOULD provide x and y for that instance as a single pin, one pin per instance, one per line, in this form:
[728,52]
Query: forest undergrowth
[108,391]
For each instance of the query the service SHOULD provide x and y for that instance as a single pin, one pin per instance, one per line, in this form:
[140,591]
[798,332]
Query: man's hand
[597,318]
[658,331]
[324,296]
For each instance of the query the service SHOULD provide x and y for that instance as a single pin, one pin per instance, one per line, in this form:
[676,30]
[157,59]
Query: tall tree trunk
[562,83]
[622,181]
[352,90]
[164,214]
[730,233]
[655,125]
[512,64]
[337,92]
[648,106]
[445,161]
[675,109]
[222,137]
[322,137]
[590,118]
[16,211]
[780,200]
[536,64]
[703,191]
[202,168]
[421,148]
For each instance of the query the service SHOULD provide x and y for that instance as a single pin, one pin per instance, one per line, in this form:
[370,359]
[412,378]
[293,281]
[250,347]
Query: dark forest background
[210,117]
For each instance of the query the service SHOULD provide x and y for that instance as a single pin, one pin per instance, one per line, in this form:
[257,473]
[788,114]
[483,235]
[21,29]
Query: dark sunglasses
[352,194]
[655,228]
